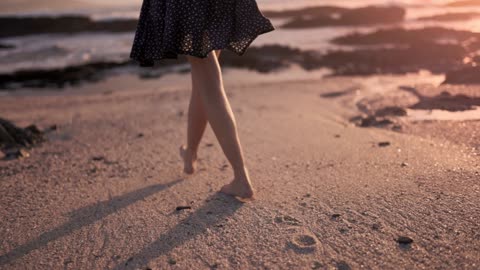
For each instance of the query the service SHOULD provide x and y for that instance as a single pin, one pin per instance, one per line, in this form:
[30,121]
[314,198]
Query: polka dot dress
[167,28]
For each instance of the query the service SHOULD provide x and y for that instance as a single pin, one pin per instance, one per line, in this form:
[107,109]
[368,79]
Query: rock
[4,46]
[98,158]
[180,208]
[402,36]
[371,121]
[335,216]
[14,140]
[261,59]
[404,240]
[15,153]
[333,94]
[172,261]
[464,75]
[376,226]
[437,58]
[33,25]
[391,111]
[140,135]
[396,127]
[404,164]
[384,144]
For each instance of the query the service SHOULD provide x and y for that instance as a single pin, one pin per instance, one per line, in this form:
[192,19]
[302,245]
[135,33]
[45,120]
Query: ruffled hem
[174,54]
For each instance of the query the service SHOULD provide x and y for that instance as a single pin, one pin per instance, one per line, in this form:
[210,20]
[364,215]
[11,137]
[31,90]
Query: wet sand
[103,192]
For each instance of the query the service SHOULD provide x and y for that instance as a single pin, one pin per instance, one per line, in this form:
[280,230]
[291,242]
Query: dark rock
[172,261]
[140,135]
[400,36]
[443,101]
[335,216]
[209,144]
[384,144]
[261,59]
[396,127]
[4,46]
[272,57]
[465,75]
[376,226]
[404,240]
[21,26]
[391,111]
[357,16]
[180,208]
[98,158]
[371,121]
[14,139]
[437,58]
[15,153]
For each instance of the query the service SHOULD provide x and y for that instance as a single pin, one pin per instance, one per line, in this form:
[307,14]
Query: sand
[103,192]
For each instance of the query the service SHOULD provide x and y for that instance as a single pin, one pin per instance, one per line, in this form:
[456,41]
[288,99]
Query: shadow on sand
[216,209]
[84,217]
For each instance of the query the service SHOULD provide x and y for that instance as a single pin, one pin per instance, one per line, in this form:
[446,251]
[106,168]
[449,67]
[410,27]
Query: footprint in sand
[304,242]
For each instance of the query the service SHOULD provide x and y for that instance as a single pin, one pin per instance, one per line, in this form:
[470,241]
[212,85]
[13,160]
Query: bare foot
[189,159]
[239,188]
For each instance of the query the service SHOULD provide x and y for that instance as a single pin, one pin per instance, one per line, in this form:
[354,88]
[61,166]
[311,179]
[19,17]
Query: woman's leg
[207,77]
[197,122]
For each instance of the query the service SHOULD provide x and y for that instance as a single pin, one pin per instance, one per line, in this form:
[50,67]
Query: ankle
[241,173]
[191,150]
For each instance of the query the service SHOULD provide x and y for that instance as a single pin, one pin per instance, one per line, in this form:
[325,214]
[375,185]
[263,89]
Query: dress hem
[174,54]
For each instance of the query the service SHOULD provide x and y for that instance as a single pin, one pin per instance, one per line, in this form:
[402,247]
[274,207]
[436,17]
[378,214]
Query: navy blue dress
[167,28]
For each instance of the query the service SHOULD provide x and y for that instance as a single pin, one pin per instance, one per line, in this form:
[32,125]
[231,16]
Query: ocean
[49,51]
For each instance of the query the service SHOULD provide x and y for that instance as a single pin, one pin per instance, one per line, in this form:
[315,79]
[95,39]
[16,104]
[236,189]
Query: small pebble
[335,216]
[384,144]
[404,240]
[180,208]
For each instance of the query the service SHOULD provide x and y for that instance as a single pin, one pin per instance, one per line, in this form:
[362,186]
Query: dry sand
[103,192]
